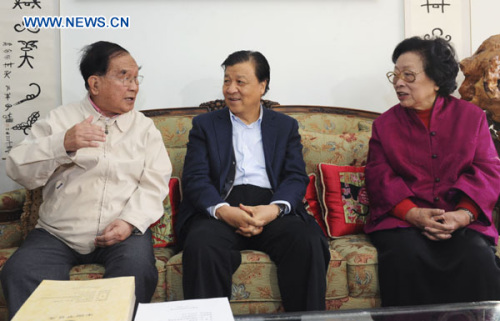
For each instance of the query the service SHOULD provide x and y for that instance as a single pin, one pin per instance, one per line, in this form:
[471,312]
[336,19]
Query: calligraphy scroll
[448,19]
[29,66]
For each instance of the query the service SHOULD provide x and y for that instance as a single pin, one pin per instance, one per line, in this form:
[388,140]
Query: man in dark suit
[244,181]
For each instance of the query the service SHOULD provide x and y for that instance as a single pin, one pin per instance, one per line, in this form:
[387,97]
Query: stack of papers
[216,309]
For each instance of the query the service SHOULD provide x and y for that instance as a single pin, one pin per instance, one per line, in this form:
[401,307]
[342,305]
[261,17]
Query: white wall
[321,52]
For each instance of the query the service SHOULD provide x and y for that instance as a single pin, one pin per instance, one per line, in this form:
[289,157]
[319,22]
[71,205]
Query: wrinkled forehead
[122,64]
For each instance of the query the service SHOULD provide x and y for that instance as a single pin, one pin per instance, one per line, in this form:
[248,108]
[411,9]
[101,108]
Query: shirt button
[434,156]
[433,133]
[436,199]
[437,180]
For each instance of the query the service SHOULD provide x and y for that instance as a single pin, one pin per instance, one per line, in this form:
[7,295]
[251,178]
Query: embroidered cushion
[312,205]
[344,198]
[163,229]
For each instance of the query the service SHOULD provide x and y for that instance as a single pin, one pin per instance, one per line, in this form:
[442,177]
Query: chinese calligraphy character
[34,3]
[24,126]
[30,96]
[435,5]
[28,46]
[438,32]
[20,28]
[8,118]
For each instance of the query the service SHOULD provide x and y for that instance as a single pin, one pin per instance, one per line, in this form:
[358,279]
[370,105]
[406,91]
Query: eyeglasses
[127,81]
[407,76]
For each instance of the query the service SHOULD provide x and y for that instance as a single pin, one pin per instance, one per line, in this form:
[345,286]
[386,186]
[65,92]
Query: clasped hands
[436,224]
[248,220]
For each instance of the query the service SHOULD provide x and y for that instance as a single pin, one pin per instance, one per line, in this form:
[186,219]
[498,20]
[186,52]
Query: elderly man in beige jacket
[105,173]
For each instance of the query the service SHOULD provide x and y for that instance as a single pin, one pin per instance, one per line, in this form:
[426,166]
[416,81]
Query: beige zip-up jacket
[125,177]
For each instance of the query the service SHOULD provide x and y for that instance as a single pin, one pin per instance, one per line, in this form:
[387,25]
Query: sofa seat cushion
[255,263]
[255,284]
[362,262]
[96,271]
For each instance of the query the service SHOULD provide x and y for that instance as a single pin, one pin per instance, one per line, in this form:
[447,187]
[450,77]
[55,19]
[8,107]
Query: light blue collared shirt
[249,153]
[250,160]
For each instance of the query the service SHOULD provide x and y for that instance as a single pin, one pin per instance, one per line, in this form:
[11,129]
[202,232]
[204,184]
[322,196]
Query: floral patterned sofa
[329,135]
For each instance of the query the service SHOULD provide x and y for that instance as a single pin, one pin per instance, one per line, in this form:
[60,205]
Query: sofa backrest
[329,134]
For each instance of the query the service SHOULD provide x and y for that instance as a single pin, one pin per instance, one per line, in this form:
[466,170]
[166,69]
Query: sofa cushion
[175,131]
[11,234]
[362,264]
[312,204]
[344,198]
[163,230]
[334,139]
[254,284]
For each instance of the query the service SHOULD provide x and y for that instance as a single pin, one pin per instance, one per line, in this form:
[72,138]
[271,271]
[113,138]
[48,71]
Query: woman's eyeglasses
[407,76]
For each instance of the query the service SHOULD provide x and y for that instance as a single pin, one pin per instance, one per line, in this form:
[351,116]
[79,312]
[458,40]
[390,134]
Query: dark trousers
[414,270]
[44,257]
[211,254]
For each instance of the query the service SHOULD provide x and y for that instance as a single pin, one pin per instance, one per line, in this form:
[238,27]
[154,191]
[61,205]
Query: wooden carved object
[482,82]
[482,87]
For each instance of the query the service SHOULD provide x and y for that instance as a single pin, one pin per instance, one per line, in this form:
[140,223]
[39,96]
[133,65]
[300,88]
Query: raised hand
[82,135]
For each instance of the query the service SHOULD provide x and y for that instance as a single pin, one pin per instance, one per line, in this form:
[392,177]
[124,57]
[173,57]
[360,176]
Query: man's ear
[95,84]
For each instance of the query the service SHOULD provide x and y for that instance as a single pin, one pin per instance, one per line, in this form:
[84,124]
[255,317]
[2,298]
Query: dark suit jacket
[208,174]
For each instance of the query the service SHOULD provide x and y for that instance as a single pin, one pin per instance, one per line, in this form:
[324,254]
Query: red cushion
[163,230]
[344,198]
[313,206]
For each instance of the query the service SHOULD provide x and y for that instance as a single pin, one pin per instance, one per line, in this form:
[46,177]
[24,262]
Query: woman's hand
[437,224]
[431,221]
[452,220]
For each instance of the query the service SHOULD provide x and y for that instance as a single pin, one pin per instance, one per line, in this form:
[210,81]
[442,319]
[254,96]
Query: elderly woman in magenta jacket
[433,178]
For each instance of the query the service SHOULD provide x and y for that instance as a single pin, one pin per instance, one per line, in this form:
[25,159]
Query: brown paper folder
[109,299]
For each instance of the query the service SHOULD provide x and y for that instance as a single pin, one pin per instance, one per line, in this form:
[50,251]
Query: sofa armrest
[11,205]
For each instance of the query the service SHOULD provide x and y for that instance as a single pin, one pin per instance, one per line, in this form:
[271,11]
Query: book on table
[111,299]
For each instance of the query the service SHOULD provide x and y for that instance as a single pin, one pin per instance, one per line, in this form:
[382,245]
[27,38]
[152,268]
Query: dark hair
[439,60]
[95,58]
[262,69]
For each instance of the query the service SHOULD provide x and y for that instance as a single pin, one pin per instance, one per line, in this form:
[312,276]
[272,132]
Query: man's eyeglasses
[127,81]
[407,76]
